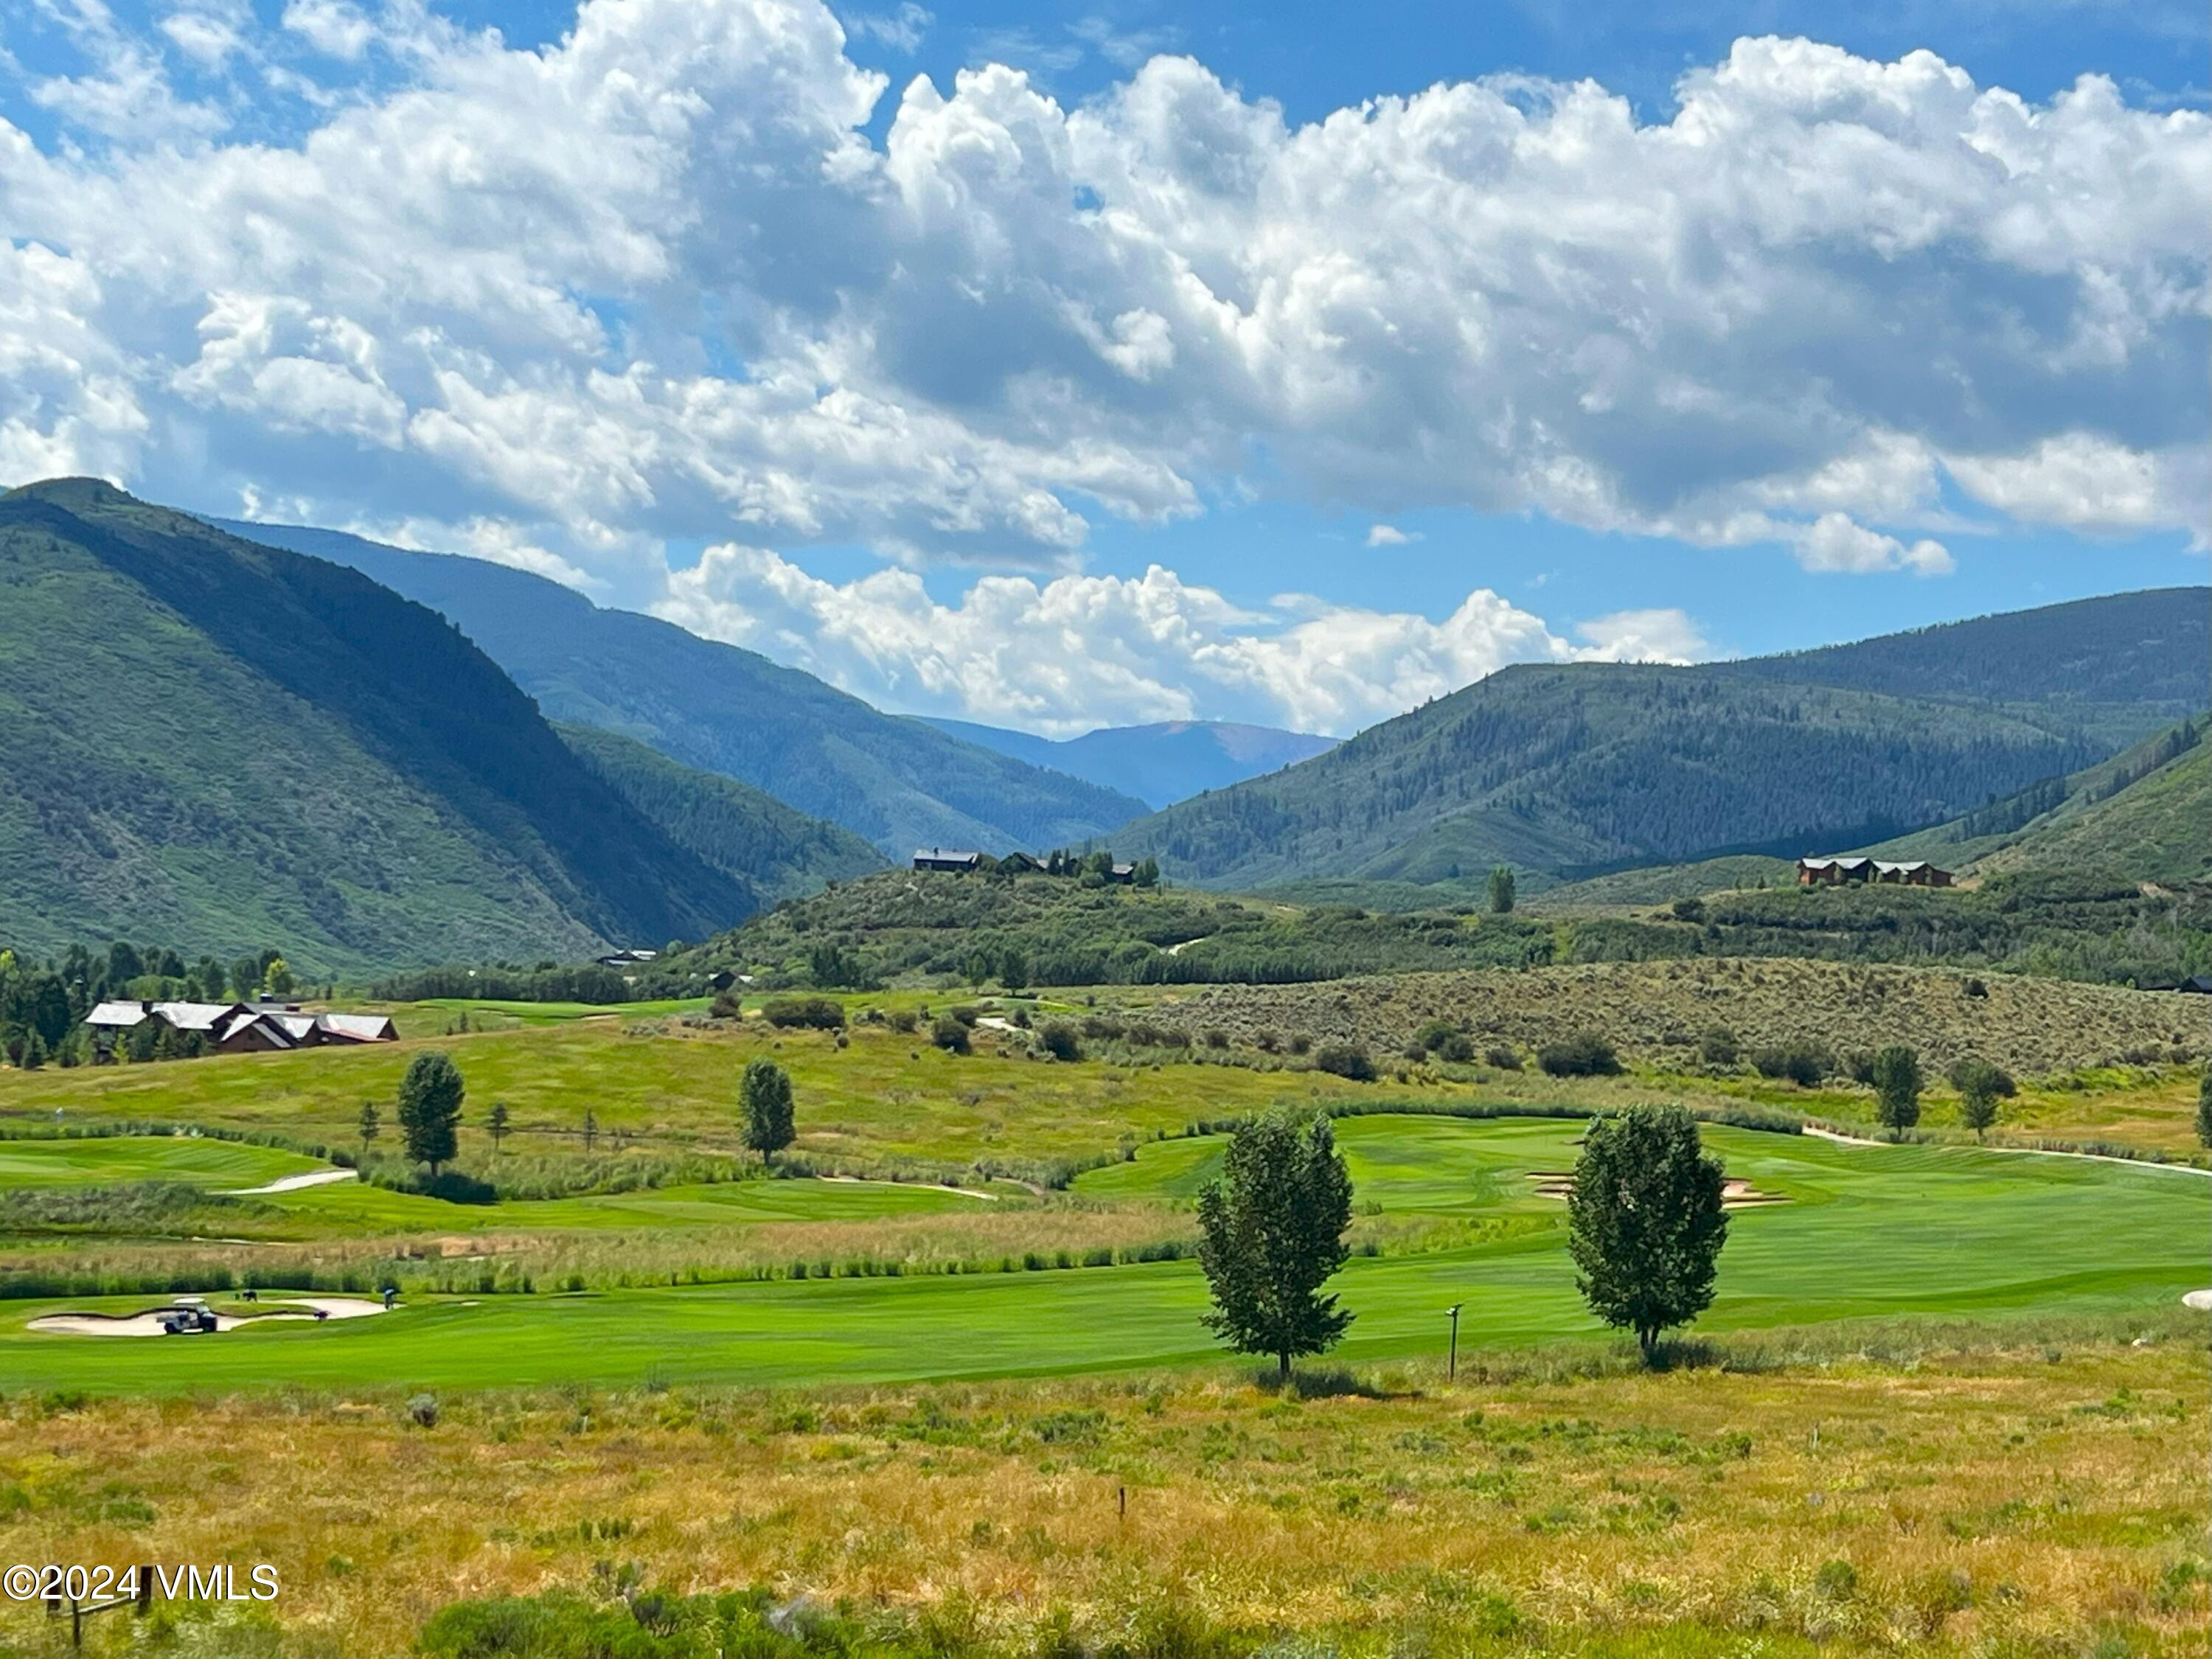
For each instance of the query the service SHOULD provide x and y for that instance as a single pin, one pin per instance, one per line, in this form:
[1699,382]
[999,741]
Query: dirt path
[1177,950]
[293,1183]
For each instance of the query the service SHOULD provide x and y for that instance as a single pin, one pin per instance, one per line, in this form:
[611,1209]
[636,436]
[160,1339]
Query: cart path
[293,1183]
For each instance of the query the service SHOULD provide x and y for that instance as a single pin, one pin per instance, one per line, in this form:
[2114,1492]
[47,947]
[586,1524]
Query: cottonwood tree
[496,1124]
[1980,1084]
[1501,888]
[1897,1083]
[1272,1233]
[2204,1108]
[1644,1222]
[766,1096]
[430,1096]
[367,1124]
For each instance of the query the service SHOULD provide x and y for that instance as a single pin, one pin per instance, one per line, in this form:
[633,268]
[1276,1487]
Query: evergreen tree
[591,1129]
[244,978]
[1644,1221]
[1013,969]
[765,1095]
[1501,889]
[1146,874]
[2204,1108]
[34,1053]
[1273,1234]
[430,1096]
[1897,1082]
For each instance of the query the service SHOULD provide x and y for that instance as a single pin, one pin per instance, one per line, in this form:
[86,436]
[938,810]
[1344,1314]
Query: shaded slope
[899,783]
[213,742]
[772,851]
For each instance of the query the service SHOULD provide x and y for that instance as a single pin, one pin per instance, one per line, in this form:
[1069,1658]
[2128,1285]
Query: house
[1842,872]
[1123,873]
[2198,985]
[629,958]
[1021,864]
[239,1028]
[938,858]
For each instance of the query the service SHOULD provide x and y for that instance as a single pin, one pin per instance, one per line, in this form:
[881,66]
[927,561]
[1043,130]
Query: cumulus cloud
[1389,535]
[662,280]
[1079,651]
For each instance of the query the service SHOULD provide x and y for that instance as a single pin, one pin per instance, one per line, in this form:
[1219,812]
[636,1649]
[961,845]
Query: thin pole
[1451,1367]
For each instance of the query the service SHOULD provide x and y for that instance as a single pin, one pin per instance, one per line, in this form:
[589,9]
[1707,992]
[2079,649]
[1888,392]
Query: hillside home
[633,957]
[238,1028]
[1021,864]
[938,858]
[1843,872]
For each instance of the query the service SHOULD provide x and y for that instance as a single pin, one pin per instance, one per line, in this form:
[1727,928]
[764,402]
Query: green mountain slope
[900,783]
[1568,771]
[772,851]
[210,742]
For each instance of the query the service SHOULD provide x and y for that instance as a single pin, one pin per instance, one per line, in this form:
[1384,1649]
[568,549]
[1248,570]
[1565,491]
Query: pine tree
[1501,888]
[766,1097]
[1644,1221]
[1272,1235]
[430,1096]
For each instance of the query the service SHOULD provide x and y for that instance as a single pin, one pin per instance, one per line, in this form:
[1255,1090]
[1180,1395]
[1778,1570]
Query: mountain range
[1159,765]
[213,743]
[898,783]
[1566,771]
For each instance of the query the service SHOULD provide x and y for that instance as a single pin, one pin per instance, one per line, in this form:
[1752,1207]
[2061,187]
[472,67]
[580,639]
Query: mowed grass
[107,1160]
[1877,1233]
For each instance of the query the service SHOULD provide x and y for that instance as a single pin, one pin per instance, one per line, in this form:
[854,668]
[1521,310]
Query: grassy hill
[227,746]
[1159,765]
[1570,771]
[771,851]
[899,783]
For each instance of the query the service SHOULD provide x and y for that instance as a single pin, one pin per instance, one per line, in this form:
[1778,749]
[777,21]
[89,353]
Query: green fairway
[105,1160]
[1867,1233]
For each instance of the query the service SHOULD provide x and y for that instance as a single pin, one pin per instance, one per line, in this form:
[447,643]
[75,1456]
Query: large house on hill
[239,1028]
[1842,872]
[940,858]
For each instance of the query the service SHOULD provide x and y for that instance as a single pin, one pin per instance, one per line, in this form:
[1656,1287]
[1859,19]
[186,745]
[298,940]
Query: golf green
[1866,1233]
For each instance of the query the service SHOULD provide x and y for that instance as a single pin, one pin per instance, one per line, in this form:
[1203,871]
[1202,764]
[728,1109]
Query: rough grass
[2034,1499]
[1656,1012]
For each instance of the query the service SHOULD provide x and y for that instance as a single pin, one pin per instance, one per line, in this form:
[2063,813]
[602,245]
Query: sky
[1065,366]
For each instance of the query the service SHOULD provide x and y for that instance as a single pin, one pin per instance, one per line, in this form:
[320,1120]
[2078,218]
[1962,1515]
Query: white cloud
[901,29]
[1079,651]
[1389,535]
[657,281]
[1659,635]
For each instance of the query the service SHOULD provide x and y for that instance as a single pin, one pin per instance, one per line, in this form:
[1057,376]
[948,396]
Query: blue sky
[1107,383]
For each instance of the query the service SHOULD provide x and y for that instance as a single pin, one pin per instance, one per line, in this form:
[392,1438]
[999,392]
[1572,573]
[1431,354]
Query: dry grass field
[1656,1012]
[2046,1499]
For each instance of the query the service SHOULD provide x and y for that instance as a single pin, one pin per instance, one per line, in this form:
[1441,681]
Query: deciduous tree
[1501,888]
[1273,1234]
[1897,1083]
[765,1095]
[430,1096]
[1644,1222]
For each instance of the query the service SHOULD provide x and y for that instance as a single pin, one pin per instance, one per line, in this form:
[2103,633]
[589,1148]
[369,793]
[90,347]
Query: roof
[247,1018]
[945,855]
[196,1016]
[1834,863]
[117,1013]
[359,1028]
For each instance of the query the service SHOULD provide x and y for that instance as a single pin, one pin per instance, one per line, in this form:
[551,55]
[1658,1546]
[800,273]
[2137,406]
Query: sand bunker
[1735,1194]
[2200,1300]
[149,1323]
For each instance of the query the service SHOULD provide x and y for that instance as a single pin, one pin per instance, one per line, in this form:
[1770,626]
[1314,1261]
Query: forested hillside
[1159,765]
[771,851]
[232,747]
[1565,772]
[898,783]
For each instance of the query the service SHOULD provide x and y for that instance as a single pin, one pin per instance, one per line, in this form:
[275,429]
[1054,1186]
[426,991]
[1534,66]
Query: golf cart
[189,1315]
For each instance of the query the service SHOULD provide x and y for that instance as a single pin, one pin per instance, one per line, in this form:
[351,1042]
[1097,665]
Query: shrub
[810,1013]
[1344,1059]
[902,1021]
[727,1005]
[1458,1047]
[1301,1044]
[968,1013]
[1504,1058]
[1969,1075]
[1584,1054]
[1801,1060]
[1107,1030]
[1059,1040]
[1689,909]
[1216,1038]
[423,1411]
[1718,1047]
[950,1035]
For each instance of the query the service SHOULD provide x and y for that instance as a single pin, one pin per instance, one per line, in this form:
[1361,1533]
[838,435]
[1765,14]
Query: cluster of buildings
[1019,864]
[1839,873]
[238,1028]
